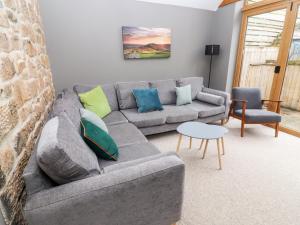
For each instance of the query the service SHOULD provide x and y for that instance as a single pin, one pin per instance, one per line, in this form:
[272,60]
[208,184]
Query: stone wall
[26,95]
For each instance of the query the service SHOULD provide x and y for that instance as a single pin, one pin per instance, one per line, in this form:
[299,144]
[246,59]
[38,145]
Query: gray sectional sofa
[145,186]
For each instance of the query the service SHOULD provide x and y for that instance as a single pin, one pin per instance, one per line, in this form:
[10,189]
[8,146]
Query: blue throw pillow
[147,100]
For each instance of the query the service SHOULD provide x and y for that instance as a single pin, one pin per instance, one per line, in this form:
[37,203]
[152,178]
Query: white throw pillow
[93,118]
[184,95]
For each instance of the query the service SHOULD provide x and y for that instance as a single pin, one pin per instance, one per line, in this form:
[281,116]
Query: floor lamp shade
[212,49]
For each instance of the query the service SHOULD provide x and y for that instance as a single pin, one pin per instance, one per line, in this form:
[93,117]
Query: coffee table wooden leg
[219,154]
[223,146]
[205,149]
[179,142]
[202,142]
[191,139]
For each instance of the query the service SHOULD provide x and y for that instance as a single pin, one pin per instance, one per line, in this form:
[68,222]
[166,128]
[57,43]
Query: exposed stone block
[10,4]
[5,91]
[3,19]
[4,43]
[29,48]
[7,159]
[11,16]
[20,66]
[9,119]
[7,68]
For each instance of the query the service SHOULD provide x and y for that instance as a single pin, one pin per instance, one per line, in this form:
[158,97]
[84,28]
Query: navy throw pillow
[147,100]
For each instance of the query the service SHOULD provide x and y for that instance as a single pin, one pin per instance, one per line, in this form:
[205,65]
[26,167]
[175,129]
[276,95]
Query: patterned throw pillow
[93,118]
[99,141]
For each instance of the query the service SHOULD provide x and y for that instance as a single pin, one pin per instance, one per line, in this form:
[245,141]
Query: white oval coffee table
[205,132]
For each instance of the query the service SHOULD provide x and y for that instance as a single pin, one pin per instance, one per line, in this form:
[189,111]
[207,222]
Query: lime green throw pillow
[99,141]
[95,100]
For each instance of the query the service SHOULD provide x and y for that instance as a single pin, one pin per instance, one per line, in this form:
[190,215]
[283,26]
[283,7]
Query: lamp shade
[212,49]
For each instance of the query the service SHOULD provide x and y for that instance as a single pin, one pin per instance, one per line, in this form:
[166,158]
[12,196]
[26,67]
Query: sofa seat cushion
[115,117]
[259,116]
[126,134]
[124,93]
[108,89]
[62,154]
[205,109]
[179,114]
[130,153]
[144,119]
[166,91]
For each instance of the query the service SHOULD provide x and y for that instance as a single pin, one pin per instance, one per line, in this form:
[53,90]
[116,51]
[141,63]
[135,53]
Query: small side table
[205,132]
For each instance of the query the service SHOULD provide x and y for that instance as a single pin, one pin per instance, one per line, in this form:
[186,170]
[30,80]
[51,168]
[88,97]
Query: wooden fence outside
[256,72]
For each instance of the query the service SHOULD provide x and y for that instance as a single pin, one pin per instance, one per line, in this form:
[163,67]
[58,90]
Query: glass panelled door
[290,94]
[262,41]
[269,55]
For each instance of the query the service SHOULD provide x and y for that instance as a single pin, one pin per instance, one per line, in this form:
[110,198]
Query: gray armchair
[247,106]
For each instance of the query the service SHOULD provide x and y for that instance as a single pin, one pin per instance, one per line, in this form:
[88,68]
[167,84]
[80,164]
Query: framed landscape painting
[146,43]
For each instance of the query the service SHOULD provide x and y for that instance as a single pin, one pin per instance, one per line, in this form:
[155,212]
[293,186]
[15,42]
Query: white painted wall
[199,4]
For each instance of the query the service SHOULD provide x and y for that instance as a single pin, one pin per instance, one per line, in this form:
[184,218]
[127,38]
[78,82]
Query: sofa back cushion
[62,154]
[108,89]
[195,82]
[68,102]
[166,91]
[125,95]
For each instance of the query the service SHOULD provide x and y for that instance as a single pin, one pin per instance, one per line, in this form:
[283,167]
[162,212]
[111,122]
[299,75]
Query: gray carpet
[259,183]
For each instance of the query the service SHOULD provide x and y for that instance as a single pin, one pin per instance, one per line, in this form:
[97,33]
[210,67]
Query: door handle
[277,69]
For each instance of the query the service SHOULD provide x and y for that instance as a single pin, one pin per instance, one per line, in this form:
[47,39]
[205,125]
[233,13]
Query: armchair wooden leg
[276,129]
[242,129]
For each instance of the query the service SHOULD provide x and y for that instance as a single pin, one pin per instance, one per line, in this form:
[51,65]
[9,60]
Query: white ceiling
[199,4]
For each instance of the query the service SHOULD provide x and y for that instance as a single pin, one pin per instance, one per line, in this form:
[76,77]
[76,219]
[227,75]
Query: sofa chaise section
[133,190]
[146,193]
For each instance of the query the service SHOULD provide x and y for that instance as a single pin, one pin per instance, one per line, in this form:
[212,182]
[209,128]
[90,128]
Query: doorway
[269,55]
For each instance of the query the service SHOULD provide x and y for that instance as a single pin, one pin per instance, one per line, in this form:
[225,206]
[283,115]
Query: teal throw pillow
[184,95]
[93,118]
[147,100]
[99,141]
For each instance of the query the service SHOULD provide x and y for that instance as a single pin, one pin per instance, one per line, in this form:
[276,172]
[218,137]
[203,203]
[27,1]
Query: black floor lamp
[211,50]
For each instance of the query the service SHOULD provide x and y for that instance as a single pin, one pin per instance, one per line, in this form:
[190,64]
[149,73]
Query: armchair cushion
[251,95]
[259,116]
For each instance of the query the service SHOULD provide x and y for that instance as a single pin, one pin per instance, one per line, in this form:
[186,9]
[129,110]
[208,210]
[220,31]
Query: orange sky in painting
[147,40]
[144,36]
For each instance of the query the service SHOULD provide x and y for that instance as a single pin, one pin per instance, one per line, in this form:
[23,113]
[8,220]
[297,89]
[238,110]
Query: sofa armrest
[223,94]
[149,193]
